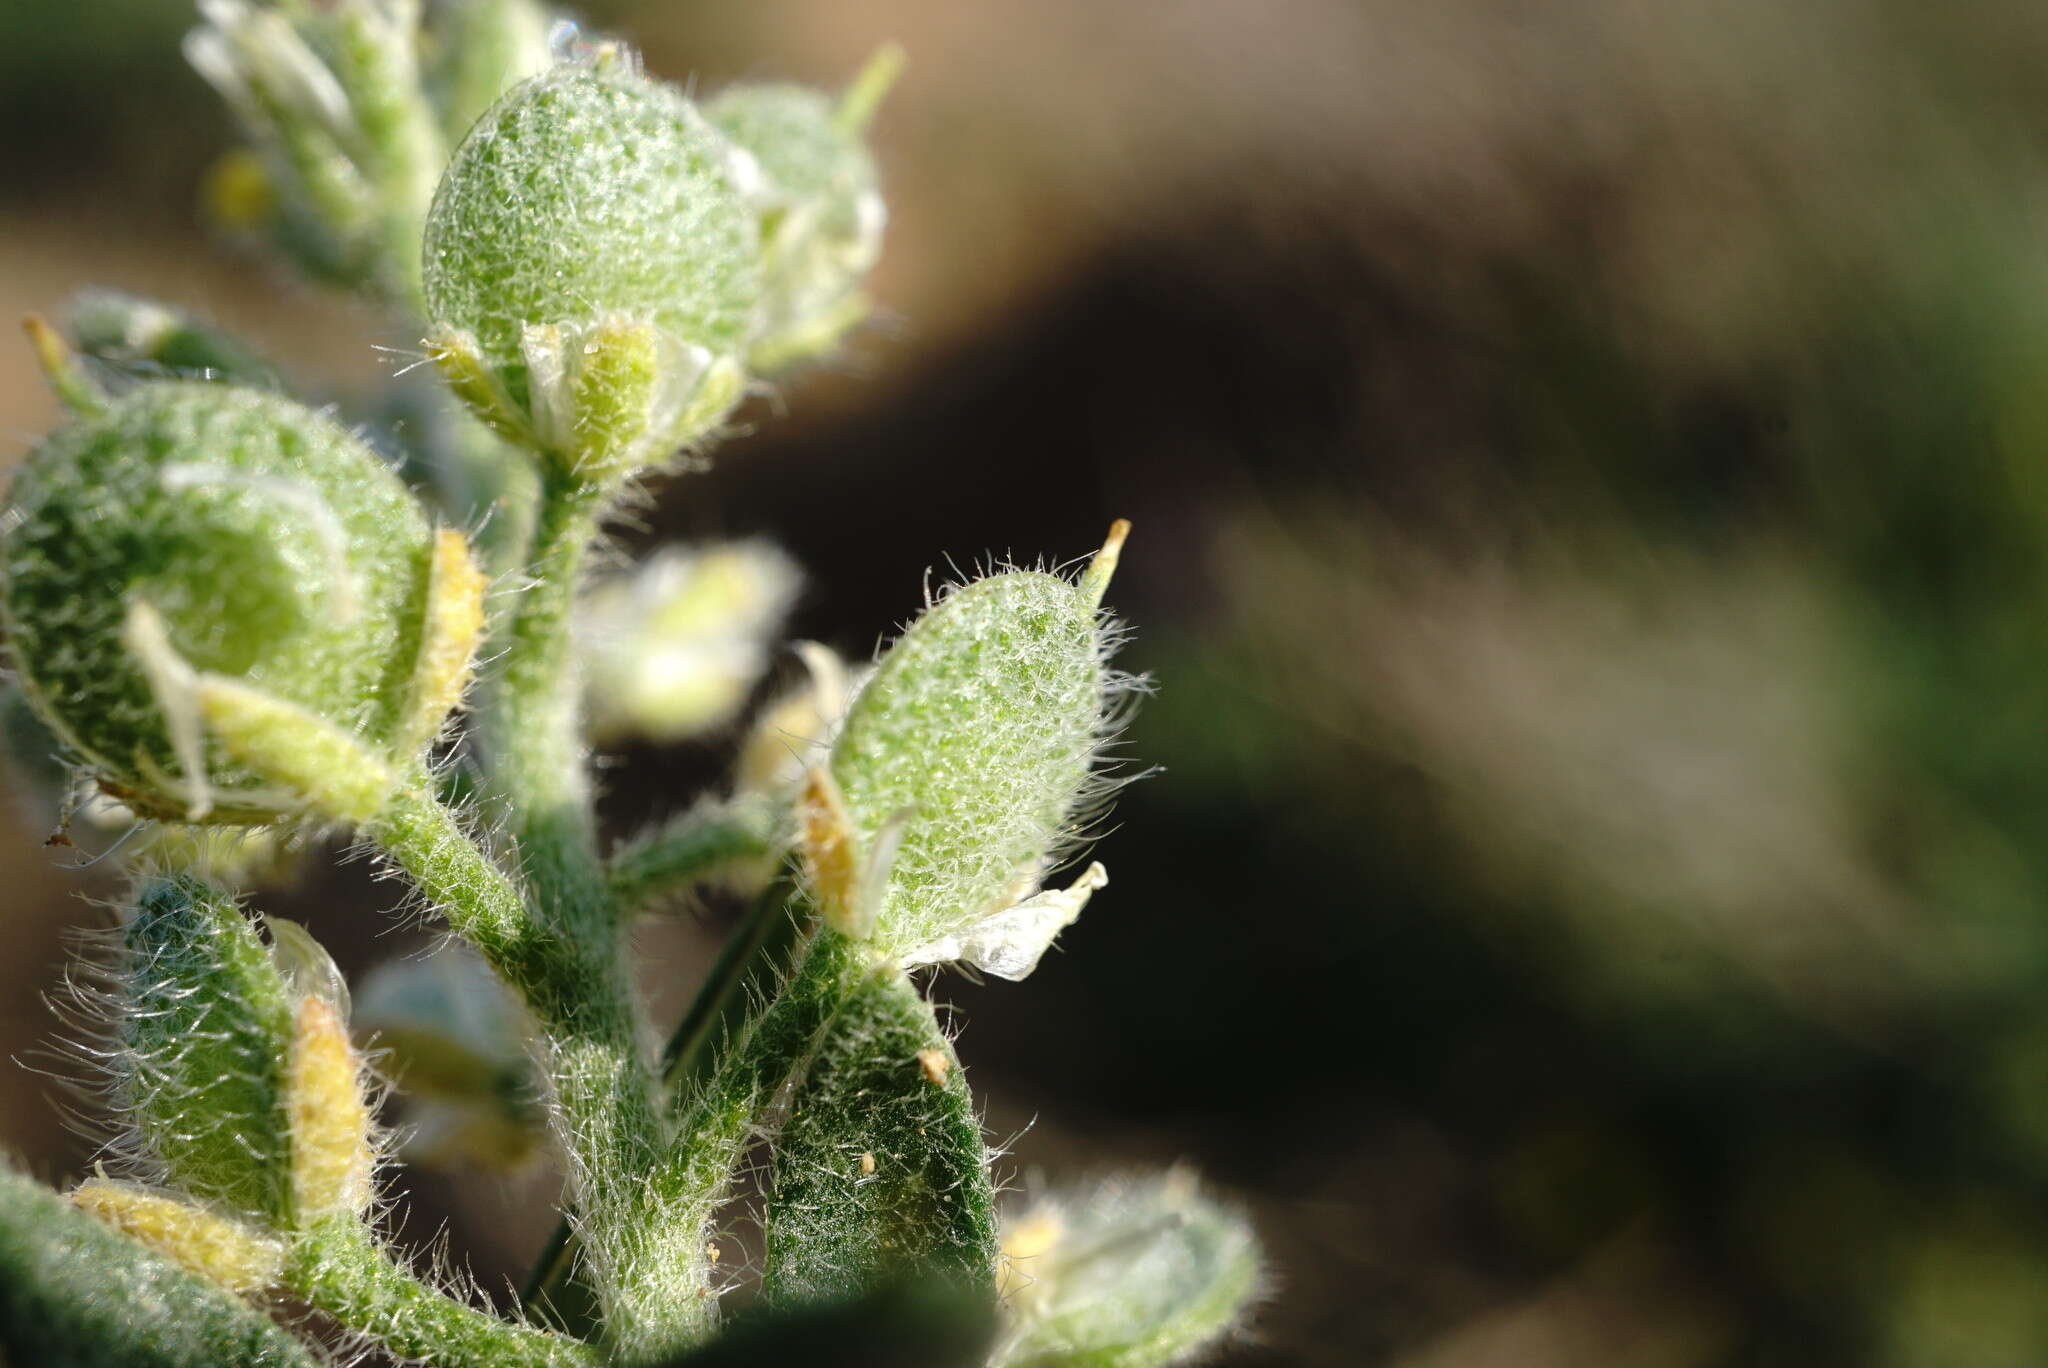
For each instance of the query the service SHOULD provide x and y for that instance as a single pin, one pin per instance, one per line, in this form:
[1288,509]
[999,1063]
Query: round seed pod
[193,529]
[590,270]
[821,213]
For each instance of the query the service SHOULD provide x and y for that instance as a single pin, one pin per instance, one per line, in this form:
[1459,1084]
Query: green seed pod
[590,270]
[971,750]
[205,1025]
[813,185]
[192,531]
[1124,1275]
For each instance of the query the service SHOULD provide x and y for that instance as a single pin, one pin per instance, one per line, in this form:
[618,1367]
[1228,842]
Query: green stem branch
[689,848]
[756,960]
[733,1107]
[530,720]
[602,1086]
[339,1267]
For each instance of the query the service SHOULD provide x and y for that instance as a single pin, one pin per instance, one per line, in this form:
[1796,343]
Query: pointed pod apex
[864,95]
[1101,570]
[67,379]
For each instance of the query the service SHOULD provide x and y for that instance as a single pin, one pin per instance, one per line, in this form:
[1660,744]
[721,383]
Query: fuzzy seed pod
[821,213]
[192,532]
[205,1023]
[972,751]
[673,648]
[1124,1275]
[590,270]
[146,338]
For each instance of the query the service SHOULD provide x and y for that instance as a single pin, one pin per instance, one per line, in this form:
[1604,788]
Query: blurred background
[1590,470]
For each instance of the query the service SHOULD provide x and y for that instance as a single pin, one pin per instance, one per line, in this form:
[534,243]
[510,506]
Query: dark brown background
[1591,495]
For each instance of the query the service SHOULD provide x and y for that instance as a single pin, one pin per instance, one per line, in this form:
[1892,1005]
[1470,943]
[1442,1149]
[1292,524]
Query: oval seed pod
[970,749]
[205,1023]
[590,270]
[821,212]
[190,529]
[1124,1275]
[145,338]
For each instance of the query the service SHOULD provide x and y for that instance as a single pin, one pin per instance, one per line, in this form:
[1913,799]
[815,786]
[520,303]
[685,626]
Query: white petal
[1010,943]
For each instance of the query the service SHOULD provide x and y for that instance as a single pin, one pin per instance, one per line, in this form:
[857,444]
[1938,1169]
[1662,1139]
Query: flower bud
[590,270]
[205,1024]
[223,1251]
[331,94]
[971,751]
[795,728]
[453,1038]
[675,646]
[146,338]
[1124,1274]
[813,186]
[193,532]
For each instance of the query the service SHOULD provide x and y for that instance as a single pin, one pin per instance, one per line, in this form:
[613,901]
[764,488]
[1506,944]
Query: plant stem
[755,961]
[575,984]
[687,849]
[735,1106]
[339,1267]
[530,720]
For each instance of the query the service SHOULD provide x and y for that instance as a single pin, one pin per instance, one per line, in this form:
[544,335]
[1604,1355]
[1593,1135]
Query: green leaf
[880,1173]
[898,1327]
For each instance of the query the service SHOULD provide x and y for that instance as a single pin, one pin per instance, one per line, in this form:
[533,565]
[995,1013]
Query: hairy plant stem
[529,718]
[755,962]
[339,1267]
[742,1098]
[688,849]
[575,984]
